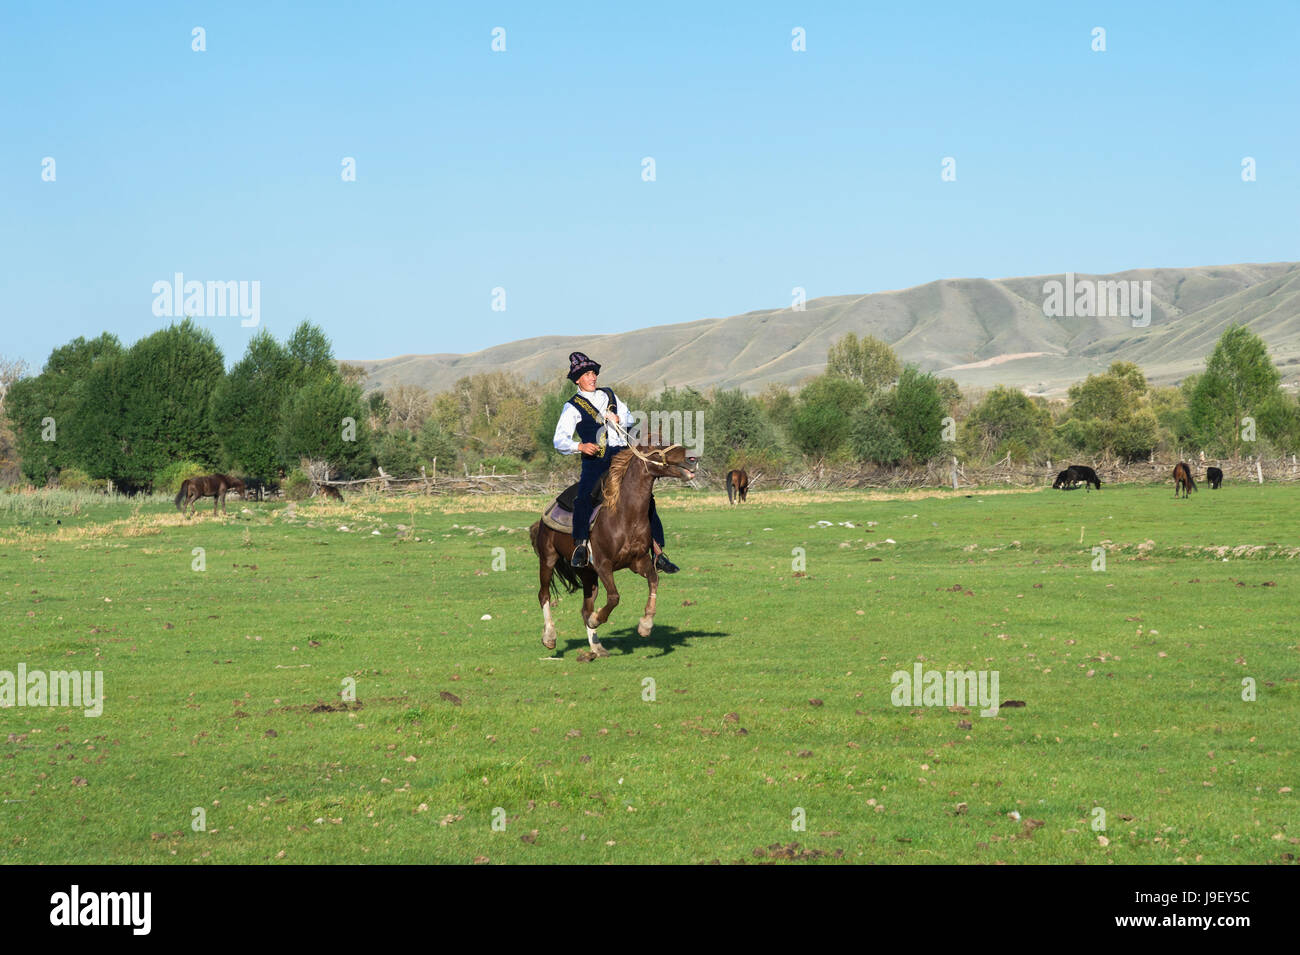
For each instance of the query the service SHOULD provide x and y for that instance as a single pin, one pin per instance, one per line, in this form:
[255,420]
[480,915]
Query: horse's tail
[1191,480]
[181,493]
[562,569]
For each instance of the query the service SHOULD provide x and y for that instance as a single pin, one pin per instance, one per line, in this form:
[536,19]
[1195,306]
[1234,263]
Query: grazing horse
[1183,479]
[1065,481]
[620,538]
[1215,477]
[214,486]
[1082,473]
[737,486]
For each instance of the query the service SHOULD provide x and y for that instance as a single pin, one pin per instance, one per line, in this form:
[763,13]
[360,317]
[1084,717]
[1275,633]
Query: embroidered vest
[591,423]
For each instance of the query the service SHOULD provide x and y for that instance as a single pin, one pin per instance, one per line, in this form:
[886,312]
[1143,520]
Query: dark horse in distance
[620,538]
[1215,477]
[1183,480]
[214,486]
[1075,474]
[737,486]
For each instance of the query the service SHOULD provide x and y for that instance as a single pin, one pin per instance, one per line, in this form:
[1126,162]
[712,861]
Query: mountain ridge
[979,331]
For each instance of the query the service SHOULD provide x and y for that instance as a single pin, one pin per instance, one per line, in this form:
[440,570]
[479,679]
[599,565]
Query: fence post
[1259,472]
[954,473]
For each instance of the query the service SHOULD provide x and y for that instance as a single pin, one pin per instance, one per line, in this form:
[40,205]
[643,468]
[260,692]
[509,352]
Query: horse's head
[671,461]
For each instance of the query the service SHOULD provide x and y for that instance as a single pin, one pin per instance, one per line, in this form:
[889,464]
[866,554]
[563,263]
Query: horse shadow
[628,643]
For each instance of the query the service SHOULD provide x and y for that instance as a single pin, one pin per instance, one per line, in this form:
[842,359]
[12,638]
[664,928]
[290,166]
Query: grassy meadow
[761,702]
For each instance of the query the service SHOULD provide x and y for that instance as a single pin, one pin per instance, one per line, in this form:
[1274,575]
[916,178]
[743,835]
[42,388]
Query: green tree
[1110,413]
[872,436]
[436,447]
[1006,421]
[316,425]
[54,394]
[916,410]
[736,423]
[821,423]
[950,394]
[247,405]
[867,361]
[1238,382]
[312,356]
[170,376]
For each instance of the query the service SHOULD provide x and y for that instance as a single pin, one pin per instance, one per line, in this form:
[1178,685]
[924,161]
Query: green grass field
[772,700]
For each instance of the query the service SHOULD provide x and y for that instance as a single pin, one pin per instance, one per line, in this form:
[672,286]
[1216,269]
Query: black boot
[664,565]
[581,554]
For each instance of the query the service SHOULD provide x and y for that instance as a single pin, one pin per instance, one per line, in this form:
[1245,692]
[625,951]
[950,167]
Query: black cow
[1215,477]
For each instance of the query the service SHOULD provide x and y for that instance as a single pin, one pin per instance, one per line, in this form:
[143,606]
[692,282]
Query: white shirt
[570,416]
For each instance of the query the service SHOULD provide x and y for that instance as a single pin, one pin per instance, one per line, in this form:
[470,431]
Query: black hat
[579,365]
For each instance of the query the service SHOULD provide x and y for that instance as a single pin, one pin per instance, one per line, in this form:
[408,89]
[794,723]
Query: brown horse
[329,491]
[1183,479]
[214,486]
[620,538]
[737,485]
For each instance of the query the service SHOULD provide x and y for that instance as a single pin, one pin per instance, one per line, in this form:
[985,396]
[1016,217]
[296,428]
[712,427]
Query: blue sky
[522,169]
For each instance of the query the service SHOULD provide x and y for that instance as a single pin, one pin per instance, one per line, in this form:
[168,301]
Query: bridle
[647,458]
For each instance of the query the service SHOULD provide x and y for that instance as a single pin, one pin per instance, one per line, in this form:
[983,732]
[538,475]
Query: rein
[631,446]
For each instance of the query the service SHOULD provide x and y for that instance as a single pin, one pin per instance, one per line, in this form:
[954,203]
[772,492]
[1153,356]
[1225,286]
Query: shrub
[503,464]
[297,485]
[75,479]
[168,480]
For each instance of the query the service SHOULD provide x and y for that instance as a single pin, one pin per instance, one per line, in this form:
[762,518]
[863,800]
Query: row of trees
[1237,405]
[133,415]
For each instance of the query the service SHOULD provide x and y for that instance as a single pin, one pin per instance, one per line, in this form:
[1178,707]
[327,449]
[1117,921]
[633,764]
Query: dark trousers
[592,469]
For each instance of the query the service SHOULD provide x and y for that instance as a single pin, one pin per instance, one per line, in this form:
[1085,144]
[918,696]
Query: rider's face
[587,381]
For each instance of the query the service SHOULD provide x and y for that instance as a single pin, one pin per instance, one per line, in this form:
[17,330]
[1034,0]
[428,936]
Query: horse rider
[583,416]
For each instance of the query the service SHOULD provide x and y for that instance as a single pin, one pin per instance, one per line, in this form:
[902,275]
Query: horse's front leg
[588,605]
[646,568]
[611,598]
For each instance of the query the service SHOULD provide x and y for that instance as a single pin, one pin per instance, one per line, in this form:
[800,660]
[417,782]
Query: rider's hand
[589,448]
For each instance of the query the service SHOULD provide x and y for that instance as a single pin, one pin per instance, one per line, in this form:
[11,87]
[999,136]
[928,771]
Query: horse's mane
[614,480]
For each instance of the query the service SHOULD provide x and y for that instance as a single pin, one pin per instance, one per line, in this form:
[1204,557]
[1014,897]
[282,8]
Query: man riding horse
[585,415]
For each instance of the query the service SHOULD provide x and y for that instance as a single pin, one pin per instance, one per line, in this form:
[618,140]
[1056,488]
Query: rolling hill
[980,332]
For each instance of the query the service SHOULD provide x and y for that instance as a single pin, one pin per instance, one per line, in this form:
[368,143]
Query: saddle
[558,515]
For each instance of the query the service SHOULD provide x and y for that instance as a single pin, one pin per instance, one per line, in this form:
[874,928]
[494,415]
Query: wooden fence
[939,473]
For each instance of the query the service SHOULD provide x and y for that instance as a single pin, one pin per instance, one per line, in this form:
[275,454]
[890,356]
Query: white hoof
[645,625]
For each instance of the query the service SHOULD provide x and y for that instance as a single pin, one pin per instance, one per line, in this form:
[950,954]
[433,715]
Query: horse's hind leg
[544,595]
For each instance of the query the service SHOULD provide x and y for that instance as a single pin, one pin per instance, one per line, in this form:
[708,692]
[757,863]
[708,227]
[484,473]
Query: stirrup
[662,563]
[581,554]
